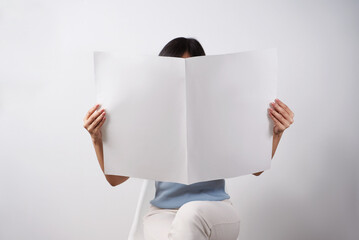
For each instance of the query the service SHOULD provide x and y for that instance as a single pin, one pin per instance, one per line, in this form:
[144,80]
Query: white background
[51,184]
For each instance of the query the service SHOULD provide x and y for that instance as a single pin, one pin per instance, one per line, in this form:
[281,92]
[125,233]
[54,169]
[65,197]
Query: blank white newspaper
[186,120]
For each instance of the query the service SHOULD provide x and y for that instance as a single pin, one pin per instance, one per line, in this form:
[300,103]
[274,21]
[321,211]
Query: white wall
[51,184]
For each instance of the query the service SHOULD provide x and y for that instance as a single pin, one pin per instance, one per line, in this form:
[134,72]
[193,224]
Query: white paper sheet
[186,120]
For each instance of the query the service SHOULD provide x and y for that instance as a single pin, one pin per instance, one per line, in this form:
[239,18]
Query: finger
[91,111]
[281,111]
[93,117]
[285,107]
[96,122]
[100,124]
[277,123]
[275,119]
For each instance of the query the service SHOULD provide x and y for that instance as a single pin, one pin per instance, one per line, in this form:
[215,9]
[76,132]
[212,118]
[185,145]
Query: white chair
[147,193]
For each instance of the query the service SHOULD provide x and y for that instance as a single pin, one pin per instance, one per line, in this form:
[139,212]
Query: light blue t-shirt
[174,195]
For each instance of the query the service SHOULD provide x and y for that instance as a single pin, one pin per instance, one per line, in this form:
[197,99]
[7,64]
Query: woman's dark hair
[178,46]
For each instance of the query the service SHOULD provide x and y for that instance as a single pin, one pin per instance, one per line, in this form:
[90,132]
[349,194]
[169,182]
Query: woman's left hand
[281,115]
[282,118]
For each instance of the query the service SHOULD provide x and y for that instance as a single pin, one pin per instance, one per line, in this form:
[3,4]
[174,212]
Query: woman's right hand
[93,122]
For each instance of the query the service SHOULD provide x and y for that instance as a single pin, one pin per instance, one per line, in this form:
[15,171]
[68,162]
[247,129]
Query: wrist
[278,134]
[96,140]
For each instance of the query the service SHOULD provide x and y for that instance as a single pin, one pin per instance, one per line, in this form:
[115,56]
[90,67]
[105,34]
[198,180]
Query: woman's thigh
[211,220]
[157,223]
[194,220]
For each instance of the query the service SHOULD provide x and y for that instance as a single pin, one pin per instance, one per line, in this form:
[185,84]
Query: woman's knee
[213,212]
[191,211]
[205,220]
[190,223]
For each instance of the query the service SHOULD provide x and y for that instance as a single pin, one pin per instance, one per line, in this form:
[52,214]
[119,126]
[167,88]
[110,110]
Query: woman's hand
[281,115]
[282,118]
[93,122]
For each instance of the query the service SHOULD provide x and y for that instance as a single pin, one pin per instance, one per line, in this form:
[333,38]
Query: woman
[200,210]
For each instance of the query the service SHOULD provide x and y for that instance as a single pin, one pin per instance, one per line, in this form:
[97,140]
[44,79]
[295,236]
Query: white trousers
[194,220]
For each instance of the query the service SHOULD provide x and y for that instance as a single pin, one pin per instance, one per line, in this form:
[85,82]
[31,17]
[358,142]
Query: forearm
[98,145]
[275,142]
[276,139]
[112,179]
